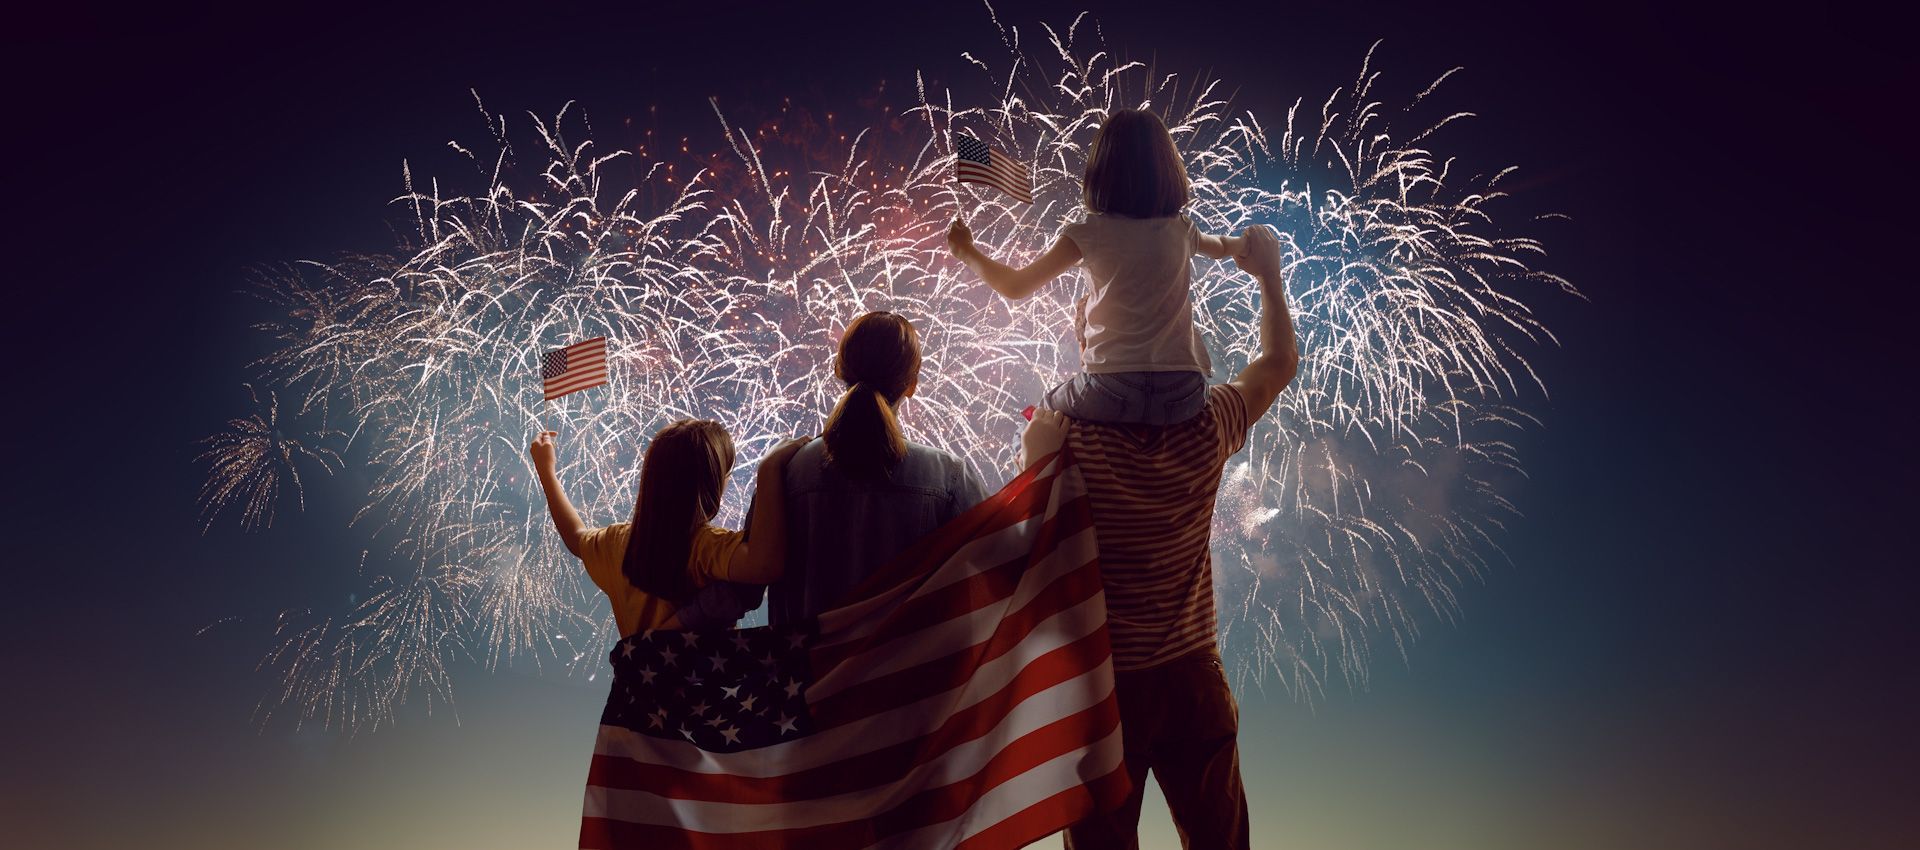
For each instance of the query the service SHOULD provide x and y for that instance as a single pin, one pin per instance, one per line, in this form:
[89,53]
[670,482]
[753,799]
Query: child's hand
[776,460]
[1236,246]
[542,451]
[959,237]
[1044,436]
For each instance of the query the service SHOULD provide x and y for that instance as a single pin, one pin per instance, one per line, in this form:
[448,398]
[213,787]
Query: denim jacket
[840,530]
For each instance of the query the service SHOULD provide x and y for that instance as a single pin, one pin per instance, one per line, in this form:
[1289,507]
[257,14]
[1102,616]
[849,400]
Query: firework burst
[723,278]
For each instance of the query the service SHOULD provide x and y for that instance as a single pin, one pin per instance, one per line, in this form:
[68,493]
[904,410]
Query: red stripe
[935,805]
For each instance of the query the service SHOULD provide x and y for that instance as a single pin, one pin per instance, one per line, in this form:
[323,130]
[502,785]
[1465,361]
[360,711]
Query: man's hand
[1044,436]
[542,451]
[1259,253]
[959,238]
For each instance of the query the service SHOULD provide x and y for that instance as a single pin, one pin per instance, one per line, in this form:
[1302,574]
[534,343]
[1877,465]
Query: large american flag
[963,700]
[574,368]
[975,162]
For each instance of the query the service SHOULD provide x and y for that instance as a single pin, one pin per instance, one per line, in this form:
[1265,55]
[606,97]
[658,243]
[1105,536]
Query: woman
[670,550]
[861,493]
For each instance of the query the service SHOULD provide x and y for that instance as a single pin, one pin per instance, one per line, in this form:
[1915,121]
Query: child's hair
[1133,169]
[879,360]
[685,470]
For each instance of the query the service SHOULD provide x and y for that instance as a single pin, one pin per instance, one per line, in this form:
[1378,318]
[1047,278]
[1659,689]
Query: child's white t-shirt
[1138,315]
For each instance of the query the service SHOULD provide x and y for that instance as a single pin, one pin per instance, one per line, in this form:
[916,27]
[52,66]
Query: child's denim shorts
[1131,398]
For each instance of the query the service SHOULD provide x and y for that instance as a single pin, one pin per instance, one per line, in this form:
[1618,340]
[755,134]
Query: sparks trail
[1364,501]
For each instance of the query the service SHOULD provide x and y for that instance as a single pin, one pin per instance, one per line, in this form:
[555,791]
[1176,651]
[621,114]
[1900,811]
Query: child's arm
[1006,280]
[1219,247]
[566,520]
[761,557]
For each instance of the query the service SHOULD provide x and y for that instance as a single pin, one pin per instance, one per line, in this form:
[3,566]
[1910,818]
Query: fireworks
[722,282]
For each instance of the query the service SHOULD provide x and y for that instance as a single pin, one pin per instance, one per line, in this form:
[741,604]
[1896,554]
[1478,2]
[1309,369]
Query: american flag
[574,368]
[974,162]
[964,699]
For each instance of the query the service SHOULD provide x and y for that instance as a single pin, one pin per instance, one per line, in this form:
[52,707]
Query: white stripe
[867,734]
[1062,700]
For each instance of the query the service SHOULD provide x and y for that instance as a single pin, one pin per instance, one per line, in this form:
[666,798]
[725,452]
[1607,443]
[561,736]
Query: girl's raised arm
[1006,280]
[566,520]
[762,557]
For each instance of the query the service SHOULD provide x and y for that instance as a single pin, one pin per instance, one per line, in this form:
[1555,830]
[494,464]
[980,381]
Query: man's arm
[1263,379]
[1013,283]
[566,520]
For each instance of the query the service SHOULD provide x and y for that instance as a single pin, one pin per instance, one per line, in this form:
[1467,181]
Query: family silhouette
[1148,435]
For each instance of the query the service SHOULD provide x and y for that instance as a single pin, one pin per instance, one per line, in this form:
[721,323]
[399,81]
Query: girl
[650,566]
[1144,362]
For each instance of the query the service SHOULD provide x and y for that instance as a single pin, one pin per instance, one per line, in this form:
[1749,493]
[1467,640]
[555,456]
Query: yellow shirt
[603,550]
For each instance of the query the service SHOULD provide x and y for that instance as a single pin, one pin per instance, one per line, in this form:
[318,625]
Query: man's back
[1152,493]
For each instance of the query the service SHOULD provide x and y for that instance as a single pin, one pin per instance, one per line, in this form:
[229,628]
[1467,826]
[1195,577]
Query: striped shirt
[1152,491]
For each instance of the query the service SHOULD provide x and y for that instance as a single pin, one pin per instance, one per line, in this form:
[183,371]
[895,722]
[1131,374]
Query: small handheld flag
[574,368]
[975,162]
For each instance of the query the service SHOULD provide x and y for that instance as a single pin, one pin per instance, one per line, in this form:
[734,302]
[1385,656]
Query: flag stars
[686,732]
[732,734]
[658,719]
[732,693]
[740,641]
[769,660]
[747,704]
[699,709]
[793,687]
[692,639]
[796,640]
[646,675]
[785,724]
[719,662]
[626,649]
[667,655]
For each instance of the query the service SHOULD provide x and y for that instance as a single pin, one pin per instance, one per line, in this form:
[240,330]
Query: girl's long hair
[1134,169]
[681,479]
[879,360]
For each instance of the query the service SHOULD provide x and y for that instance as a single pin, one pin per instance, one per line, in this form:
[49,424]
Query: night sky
[1703,639]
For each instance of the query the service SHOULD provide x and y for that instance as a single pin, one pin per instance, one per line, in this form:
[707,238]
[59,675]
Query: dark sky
[1704,638]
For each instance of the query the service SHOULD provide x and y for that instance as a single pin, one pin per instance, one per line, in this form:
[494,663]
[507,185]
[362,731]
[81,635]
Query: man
[1151,489]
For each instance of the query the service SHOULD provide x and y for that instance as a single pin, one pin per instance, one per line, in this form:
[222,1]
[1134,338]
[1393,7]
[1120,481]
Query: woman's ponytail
[880,361]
